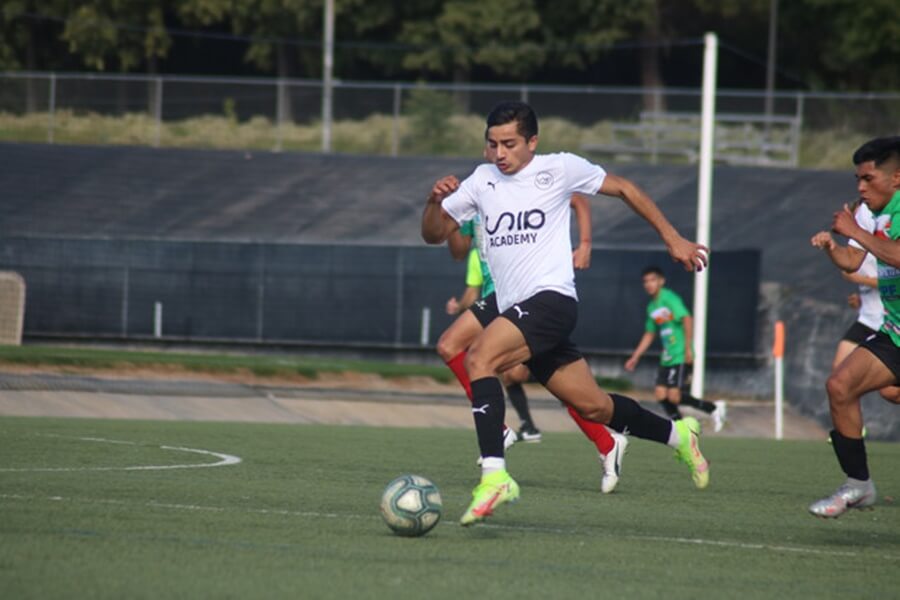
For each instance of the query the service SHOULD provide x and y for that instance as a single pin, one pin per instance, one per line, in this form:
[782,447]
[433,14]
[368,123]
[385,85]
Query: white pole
[157,319]
[426,326]
[704,204]
[778,353]
[327,68]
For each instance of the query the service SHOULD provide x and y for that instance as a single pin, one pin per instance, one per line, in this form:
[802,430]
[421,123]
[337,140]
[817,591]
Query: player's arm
[846,258]
[692,256]
[858,279]
[437,225]
[888,251]
[642,346]
[687,323]
[459,244]
[581,257]
[469,297]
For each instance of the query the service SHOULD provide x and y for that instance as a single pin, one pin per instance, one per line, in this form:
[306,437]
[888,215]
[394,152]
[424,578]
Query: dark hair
[879,151]
[521,113]
[653,270]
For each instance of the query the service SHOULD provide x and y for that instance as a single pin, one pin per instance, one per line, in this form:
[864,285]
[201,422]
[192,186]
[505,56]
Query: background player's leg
[453,343]
[513,379]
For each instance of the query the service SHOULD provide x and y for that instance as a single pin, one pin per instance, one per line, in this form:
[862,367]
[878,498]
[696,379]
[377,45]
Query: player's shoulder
[669,294]
[560,158]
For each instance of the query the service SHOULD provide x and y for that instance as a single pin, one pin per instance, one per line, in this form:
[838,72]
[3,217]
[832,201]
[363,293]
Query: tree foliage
[831,44]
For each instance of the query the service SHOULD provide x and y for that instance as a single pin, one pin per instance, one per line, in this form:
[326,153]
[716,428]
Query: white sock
[674,438]
[492,463]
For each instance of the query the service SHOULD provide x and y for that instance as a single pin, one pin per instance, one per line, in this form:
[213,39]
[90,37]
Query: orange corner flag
[778,345]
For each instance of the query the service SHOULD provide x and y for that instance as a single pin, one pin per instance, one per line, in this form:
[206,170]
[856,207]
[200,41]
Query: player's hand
[854,301]
[581,257]
[631,363]
[844,223]
[692,256]
[452,307]
[443,187]
[823,241]
[688,356]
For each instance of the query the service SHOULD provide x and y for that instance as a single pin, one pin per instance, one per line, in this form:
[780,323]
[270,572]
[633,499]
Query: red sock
[595,432]
[456,365]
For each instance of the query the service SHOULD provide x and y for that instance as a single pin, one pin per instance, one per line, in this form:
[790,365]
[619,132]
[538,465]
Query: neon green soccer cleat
[688,451]
[495,489]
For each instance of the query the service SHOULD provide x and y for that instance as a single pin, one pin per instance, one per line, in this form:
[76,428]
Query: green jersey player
[669,317]
[875,363]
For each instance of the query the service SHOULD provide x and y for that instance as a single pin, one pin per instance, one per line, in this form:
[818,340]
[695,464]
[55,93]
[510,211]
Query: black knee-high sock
[705,406]
[629,416]
[851,454]
[489,410]
[671,409]
[519,401]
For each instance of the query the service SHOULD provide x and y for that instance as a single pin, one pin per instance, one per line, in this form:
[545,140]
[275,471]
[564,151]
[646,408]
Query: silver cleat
[612,463]
[853,494]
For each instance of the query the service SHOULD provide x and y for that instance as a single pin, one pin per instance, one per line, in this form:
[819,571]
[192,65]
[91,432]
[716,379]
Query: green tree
[502,35]
[118,34]
[852,45]
[30,43]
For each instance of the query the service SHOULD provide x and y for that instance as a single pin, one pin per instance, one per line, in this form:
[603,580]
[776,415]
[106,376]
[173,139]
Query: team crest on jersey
[543,180]
[662,315]
[883,227]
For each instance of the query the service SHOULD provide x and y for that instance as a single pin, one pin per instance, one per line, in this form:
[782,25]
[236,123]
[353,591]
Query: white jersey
[526,221]
[871,310]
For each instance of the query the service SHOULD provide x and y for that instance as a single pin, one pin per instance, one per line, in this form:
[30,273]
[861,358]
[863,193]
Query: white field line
[224,459]
[777,548]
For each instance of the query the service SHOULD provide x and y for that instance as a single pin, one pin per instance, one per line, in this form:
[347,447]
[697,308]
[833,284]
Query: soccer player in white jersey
[523,201]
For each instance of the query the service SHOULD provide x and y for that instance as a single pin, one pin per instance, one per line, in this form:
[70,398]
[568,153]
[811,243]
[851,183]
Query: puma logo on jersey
[493,185]
[480,409]
[521,312]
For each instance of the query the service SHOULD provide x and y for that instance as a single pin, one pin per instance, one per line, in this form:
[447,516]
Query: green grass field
[298,517]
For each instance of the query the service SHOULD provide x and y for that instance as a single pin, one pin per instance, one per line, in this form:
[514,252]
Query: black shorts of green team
[857,333]
[882,346]
[675,376]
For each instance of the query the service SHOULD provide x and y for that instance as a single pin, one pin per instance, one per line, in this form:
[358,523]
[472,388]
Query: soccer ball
[411,505]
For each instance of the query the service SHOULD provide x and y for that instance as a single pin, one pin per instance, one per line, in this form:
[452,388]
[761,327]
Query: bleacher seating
[740,139]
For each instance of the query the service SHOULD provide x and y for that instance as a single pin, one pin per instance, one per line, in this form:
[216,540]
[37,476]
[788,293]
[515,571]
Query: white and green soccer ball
[411,505]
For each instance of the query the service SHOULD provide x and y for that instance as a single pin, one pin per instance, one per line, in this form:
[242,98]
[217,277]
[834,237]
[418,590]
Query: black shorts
[857,333]
[676,376]
[882,346]
[485,310]
[546,320]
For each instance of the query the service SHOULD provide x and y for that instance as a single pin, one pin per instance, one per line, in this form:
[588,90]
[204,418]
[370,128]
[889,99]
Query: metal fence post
[126,275]
[280,108]
[157,111]
[398,310]
[395,127]
[51,108]
[260,291]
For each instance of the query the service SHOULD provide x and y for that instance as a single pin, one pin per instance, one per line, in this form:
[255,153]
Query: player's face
[510,151]
[653,283]
[876,185]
